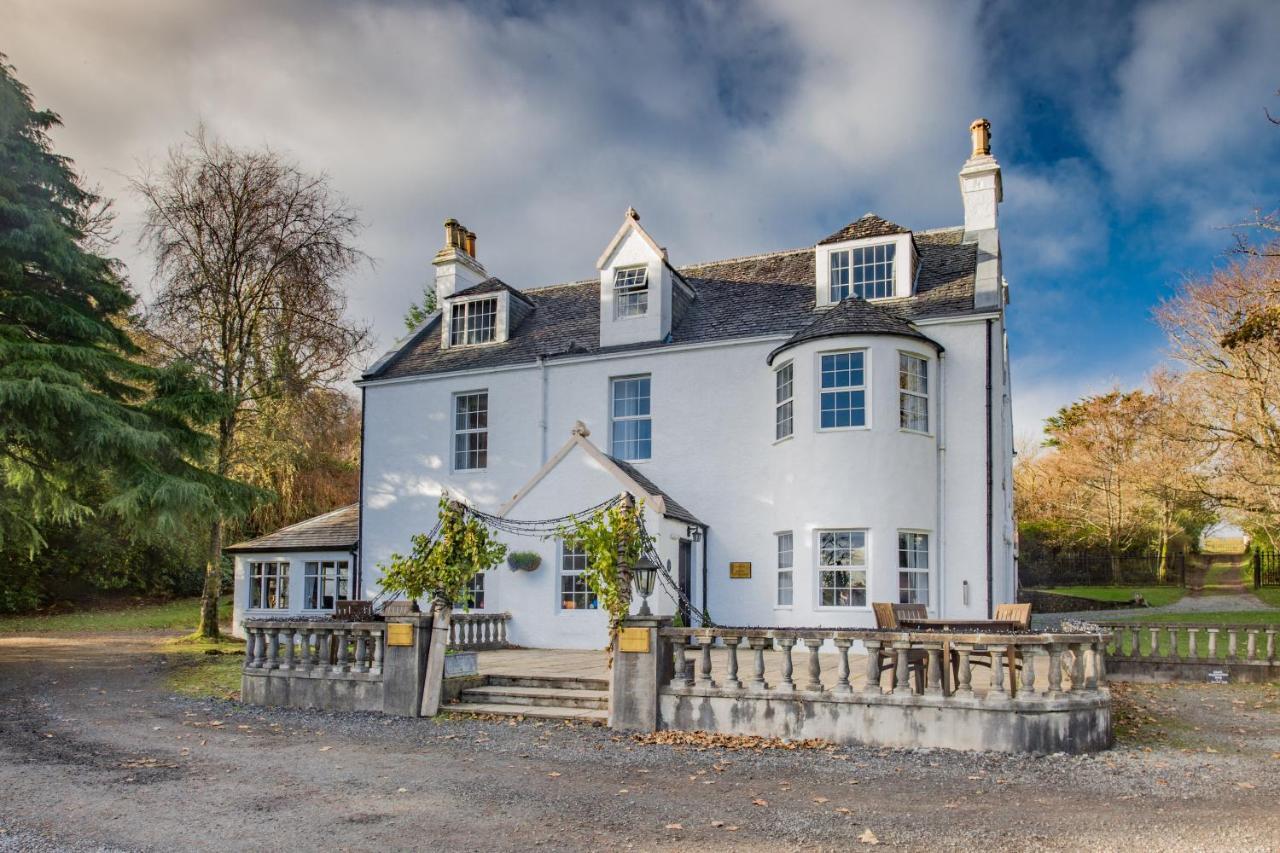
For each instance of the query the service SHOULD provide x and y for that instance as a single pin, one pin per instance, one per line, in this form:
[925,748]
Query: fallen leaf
[843,810]
[717,823]
[402,790]
[759,802]
[821,800]
[868,837]
[325,748]
[554,775]
[674,826]
[1249,786]
[732,828]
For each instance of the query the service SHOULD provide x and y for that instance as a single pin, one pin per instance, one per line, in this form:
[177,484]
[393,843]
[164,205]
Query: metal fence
[1266,568]
[1039,569]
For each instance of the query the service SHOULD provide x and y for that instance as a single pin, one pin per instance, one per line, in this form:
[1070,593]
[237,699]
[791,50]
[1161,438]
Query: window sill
[864,428]
[469,472]
[644,461]
[783,607]
[915,432]
[858,608]
[784,439]
[578,610]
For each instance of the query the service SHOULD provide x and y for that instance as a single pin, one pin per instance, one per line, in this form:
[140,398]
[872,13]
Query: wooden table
[972,626]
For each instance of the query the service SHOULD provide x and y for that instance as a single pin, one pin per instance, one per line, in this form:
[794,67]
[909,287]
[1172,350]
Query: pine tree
[77,398]
[418,314]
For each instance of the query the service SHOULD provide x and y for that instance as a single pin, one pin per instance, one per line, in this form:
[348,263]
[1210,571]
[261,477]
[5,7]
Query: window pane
[839,275]
[872,268]
[631,292]
[631,434]
[842,575]
[575,594]
[471,436]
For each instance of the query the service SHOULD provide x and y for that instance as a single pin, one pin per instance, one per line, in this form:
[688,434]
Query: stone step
[565,682]
[550,697]
[577,715]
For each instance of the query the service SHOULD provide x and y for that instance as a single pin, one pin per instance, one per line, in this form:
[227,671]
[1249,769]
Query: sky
[1132,136]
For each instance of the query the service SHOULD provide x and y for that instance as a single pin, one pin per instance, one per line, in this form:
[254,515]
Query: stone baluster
[319,649]
[933,673]
[378,638]
[1077,666]
[677,663]
[1100,668]
[1029,671]
[964,670]
[786,685]
[286,637]
[758,645]
[1193,651]
[842,677]
[1251,646]
[1233,650]
[1173,644]
[250,652]
[362,650]
[900,682]
[872,684]
[732,682]
[273,648]
[1213,642]
[340,640]
[704,667]
[1095,651]
[1271,644]
[814,682]
[997,692]
[1055,669]
[1154,651]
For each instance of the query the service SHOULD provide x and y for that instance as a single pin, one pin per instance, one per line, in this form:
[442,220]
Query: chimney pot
[980,130]
[471,243]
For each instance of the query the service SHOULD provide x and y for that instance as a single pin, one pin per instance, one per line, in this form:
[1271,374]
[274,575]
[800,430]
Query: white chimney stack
[456,264]
[982,191]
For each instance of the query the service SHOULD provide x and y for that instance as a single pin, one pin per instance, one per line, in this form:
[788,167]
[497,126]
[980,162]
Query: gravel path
[96,755]
[1243,602]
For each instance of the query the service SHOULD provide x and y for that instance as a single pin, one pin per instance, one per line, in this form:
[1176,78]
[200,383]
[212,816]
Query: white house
[834,421]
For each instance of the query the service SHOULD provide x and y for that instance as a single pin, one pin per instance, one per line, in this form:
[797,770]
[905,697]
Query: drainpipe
[542,422]
[942,486]
[358,568]
[704,570]
[990,486]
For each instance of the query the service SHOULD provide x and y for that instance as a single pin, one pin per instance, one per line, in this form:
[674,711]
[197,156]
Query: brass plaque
[738,571]
[634,640]
[399,634]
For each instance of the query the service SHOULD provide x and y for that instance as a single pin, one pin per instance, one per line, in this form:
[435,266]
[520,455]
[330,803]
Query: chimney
[455,263]
[982,191]
[980,181]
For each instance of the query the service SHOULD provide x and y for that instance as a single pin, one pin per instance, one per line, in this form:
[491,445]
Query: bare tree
[250,253]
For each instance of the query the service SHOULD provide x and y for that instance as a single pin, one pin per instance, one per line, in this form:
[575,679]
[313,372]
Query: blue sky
[1132,135]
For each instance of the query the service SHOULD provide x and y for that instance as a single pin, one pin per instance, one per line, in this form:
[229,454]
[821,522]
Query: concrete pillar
[633,691]
[403,667]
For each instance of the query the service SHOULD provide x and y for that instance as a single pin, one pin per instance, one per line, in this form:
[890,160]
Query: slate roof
[854,317]
[494,285]
[674,508]
[869,225]
[768,294]
[338,530]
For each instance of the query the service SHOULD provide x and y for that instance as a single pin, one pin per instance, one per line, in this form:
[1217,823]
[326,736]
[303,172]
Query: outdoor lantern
[643,574]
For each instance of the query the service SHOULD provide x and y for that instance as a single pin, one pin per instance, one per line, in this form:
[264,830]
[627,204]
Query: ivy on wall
[443,566]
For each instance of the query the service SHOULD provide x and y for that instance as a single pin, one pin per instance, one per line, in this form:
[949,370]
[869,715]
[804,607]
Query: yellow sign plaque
[634,640]
[739,571]
[399,634]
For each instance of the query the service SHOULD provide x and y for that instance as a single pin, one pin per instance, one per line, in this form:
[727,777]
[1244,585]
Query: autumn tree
[250,253]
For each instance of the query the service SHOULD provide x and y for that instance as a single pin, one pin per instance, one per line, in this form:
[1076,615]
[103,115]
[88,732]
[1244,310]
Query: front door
[685,577]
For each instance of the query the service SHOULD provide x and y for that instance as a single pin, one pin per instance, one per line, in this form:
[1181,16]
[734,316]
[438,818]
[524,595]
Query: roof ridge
[939,229]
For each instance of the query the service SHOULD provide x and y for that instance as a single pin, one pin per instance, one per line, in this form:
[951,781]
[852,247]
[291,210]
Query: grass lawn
[1155,595]
[1210,617]
[1270,596]
[179,614]
[204,668]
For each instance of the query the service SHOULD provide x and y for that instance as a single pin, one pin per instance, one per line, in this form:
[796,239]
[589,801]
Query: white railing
[479,631]
[1178,643]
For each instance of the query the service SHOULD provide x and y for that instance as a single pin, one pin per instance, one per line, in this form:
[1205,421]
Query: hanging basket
[523,561]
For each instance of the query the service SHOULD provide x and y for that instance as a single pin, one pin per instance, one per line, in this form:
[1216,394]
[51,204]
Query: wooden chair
[887,615]
[1020,613]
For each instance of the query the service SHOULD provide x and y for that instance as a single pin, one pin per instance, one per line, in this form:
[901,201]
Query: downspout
[358,568]
[990,487]
[942,486]
[542,422]
[704,573]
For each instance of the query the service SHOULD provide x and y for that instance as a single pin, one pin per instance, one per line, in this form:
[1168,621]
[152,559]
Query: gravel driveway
[96,754]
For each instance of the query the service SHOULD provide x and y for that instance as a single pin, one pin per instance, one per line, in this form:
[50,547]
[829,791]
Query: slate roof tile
[869,225]
[338,530]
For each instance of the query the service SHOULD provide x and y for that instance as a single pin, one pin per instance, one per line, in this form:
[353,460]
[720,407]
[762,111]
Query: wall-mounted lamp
[965,589]
[694,532]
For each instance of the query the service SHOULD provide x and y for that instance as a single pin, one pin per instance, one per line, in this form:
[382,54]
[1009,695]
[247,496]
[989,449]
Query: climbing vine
[445,564]
[613,539]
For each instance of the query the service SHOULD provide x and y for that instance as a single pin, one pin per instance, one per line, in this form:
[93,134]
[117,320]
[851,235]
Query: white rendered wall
[655,323]
[714,451]
[297,587]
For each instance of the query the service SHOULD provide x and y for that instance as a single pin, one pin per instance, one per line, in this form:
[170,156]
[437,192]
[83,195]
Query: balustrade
[327,649]
[479,631]
[1244,644]
[1074,664]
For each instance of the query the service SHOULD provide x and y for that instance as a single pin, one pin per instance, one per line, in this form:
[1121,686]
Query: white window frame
[854,568]
[615,419]
[905,391]
[786,562]
[784,408]
[327,574]
[848,262]
[466,432]
[466,329]
[258,577]
[564,552]
[865,388]
[630,292]
[926,570]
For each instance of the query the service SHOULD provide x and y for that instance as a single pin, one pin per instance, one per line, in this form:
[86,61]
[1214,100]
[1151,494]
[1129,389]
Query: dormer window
[863,271]
[631,292]
[473,322]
